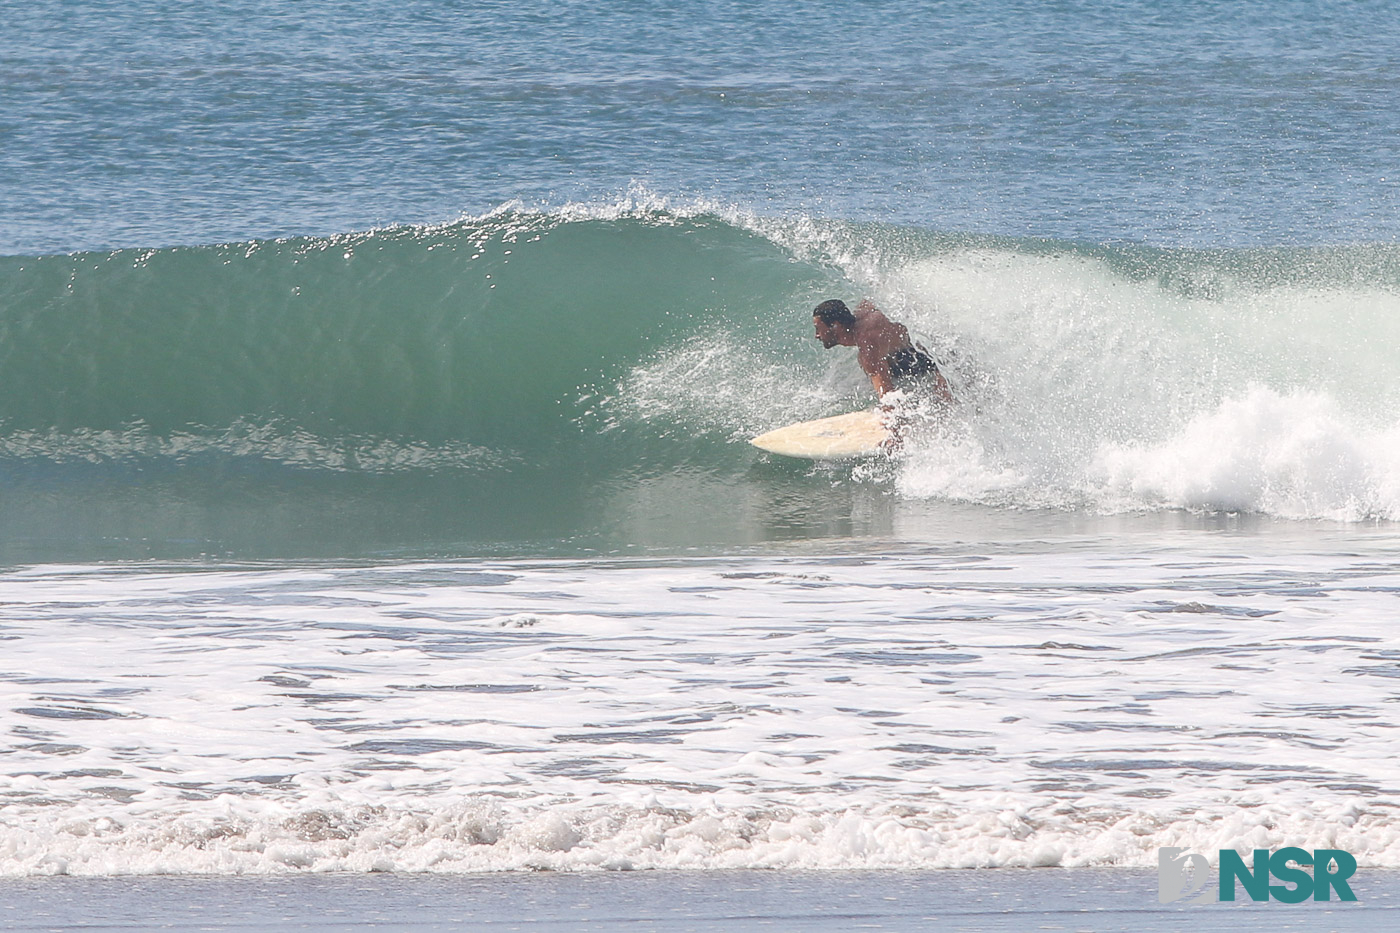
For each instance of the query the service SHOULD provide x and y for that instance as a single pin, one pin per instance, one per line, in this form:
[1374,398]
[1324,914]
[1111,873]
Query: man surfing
[912,391]
[883,348]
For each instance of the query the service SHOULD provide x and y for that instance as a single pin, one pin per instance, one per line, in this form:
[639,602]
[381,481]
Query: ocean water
[375,386]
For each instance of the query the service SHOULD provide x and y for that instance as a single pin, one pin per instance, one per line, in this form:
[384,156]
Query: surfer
[884,350]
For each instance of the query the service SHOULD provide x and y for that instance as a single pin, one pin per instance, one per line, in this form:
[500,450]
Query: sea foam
[1070,704]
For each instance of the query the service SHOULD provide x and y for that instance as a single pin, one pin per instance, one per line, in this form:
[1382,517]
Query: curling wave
[561,358]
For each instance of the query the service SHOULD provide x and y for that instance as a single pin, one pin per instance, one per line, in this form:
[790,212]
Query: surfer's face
[826,333]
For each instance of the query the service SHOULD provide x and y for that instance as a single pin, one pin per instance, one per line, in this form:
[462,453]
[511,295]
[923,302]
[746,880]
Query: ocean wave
[645,333]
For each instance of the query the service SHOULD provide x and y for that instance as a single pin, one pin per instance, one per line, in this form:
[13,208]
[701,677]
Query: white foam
[271,440]
[1112,394]
[1076,707]
[1083,387]
[489,836]
[1295,455]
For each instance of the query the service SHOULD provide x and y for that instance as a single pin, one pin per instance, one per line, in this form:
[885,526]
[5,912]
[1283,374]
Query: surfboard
[858,434]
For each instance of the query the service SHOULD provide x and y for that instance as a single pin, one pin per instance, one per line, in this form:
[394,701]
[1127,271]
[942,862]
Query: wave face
[529,375]
[472,334]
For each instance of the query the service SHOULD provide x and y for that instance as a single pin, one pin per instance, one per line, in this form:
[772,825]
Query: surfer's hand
[893,428]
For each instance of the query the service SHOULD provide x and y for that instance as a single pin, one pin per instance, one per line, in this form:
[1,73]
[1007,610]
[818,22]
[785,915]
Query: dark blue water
[166,122]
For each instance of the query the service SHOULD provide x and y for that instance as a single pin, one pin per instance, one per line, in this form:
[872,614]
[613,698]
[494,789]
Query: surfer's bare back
[883,349]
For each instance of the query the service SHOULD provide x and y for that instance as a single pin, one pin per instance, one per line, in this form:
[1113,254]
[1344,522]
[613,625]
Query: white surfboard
[858,434]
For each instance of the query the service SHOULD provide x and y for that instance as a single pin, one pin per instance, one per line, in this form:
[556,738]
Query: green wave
[480,333]
[590,375]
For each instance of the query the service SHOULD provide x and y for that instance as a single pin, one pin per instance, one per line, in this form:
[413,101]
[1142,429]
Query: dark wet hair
[835,312]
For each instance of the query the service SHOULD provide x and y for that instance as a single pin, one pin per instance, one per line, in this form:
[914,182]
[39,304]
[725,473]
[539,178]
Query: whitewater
[1065,704]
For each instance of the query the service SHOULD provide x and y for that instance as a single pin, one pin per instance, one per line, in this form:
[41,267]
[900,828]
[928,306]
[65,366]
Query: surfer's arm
[941,390]
[878,369]
[894,428]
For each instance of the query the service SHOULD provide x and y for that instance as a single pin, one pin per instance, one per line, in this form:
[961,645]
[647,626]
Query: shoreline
[1097,899]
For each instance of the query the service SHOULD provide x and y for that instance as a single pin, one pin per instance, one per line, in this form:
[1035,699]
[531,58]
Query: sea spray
[1097,353]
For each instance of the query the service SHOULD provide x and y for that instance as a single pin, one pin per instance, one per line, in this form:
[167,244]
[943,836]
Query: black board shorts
[911,367]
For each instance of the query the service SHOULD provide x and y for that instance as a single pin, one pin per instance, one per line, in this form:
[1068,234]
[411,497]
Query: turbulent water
[941,709]
[374,400]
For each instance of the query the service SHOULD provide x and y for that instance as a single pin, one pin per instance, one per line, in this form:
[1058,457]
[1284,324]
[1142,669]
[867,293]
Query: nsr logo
[1177,868]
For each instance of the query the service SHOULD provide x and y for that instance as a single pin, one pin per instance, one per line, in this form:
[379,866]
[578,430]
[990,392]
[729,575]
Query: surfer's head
[834,322]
